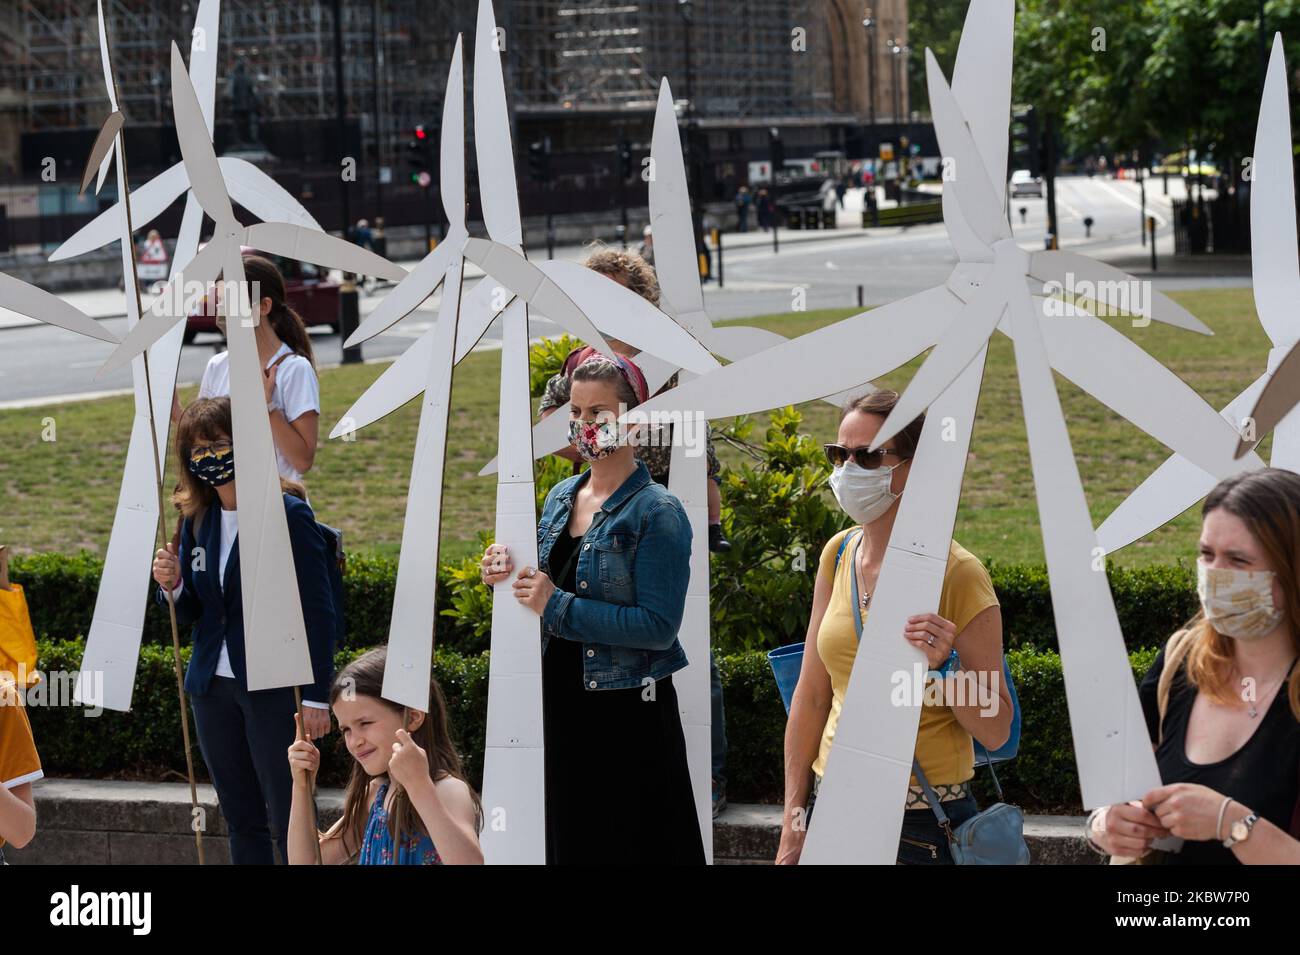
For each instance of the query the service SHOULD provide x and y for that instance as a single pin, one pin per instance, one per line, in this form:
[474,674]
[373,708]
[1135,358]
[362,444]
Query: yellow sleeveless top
[943,748]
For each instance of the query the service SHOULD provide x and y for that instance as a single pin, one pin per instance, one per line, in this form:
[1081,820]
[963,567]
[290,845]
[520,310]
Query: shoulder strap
[1175,652]
[844,542]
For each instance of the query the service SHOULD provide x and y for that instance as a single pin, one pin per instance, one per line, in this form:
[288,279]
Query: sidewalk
[110,822]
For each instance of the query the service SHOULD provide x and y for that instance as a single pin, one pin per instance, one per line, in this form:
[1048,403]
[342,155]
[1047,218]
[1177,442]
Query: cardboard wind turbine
[276,641]
[248,185]
[1264,404]
[116,628]
[867,774]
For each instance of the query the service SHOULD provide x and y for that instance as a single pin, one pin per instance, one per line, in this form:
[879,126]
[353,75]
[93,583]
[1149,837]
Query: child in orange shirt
[20,766]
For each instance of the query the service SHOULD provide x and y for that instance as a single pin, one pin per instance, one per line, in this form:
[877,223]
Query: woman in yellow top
[867,486]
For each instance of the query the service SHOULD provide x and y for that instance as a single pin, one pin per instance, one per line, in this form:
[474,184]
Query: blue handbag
[994,836]
[787,662]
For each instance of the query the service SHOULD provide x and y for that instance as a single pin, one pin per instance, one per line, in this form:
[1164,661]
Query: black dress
[618,790]
[1264,774]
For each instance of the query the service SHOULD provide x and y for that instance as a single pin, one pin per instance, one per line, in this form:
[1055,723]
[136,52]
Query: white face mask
[863,495]
[1238,603]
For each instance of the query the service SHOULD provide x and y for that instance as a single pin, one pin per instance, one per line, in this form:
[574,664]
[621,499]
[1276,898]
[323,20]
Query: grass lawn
[60,495]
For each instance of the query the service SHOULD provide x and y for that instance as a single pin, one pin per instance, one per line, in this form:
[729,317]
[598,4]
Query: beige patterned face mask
[1238,603]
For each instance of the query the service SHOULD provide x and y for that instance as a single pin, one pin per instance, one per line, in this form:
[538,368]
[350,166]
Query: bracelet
[1087,830]
[1218,826]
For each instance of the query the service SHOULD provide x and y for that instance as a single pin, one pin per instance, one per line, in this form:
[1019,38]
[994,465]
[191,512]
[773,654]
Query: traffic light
[1026,141]
[625,159]
[419,152]
[776,151]
[539,160]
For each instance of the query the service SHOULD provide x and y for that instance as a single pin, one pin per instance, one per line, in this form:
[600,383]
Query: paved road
[38,361]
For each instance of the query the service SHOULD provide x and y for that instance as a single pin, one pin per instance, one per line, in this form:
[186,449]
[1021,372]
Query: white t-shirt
[229,529]
[296,392]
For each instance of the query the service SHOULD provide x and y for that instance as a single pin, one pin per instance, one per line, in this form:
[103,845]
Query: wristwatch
[1240,830]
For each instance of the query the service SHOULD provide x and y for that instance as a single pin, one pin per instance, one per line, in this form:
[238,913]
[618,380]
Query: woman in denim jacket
[614,553]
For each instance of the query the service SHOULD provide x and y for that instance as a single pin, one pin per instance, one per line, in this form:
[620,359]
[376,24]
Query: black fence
[1204,226]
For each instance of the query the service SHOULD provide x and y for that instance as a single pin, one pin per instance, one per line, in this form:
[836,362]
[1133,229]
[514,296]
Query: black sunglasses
[868,460]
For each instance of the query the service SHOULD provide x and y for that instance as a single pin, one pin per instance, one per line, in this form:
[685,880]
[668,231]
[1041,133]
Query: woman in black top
[1222,699]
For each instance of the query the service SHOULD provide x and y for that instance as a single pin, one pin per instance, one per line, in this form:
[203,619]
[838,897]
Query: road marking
[1132,203]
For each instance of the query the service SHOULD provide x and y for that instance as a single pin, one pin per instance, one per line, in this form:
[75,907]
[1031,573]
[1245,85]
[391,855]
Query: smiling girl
[407,801]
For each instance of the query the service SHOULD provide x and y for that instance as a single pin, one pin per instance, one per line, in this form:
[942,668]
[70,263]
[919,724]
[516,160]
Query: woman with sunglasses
[868,486]
[243,734]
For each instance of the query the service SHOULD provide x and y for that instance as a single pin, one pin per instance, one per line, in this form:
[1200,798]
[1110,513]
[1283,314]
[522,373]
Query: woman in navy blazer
[243,735]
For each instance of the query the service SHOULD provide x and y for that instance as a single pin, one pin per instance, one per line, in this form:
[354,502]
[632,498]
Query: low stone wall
[108,822]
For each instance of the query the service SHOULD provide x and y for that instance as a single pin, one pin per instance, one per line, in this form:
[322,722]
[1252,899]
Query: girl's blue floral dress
[377,847]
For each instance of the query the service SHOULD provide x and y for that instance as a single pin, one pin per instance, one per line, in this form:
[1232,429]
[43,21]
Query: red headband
[628,368]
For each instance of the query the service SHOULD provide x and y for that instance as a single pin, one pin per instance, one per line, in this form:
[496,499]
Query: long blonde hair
[1268,502]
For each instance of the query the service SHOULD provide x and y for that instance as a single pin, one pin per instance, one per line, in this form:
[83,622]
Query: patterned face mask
[213,466]
[1238,603]
[594,440]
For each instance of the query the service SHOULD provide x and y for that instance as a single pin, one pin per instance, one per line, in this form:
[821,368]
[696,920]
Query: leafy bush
[778,520]
[146,742]
[545,359]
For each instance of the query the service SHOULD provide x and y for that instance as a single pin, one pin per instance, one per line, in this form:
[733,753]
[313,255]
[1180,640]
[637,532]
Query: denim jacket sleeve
[661,571]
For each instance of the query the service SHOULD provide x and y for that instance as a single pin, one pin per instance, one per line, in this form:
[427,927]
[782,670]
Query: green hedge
[145,743]
[1152,603]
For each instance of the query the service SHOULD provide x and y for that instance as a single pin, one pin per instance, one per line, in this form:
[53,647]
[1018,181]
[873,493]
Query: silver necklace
[857,569]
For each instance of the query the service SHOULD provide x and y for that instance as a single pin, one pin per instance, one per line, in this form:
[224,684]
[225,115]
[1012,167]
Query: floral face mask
[594,440]
[1238,603]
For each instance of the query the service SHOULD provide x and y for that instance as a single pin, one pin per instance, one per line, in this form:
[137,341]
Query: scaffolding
[562,56]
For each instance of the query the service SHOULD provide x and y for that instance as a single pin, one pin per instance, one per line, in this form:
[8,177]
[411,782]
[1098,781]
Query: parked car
[309,290]
[1024,183]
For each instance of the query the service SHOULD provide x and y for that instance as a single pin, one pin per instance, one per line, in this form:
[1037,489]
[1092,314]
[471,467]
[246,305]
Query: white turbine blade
[261,195]
[28,300]
[1111,746]
[688,481]
[671,223]
[957,345]
[864,788]
[167,309]
[981,83]
[478,310]
[275,636]
[187,240]
[625,315]
[401,381]
[1276,399]
[320,248]
[1165,406]
[113,642]
[848,353]
[410,636]
[1274,264]
[980,205]
[737,342]
[204,42]
[1061,271]
[1171,489]
[451,172]
[410,292]
[147,203]
[196,147]
[528,281]
[110,86]
[498,192]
